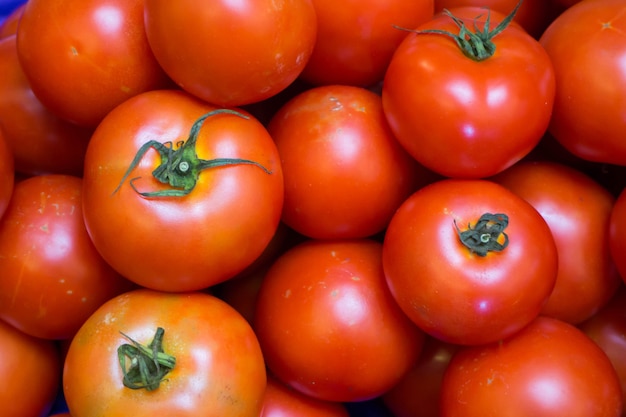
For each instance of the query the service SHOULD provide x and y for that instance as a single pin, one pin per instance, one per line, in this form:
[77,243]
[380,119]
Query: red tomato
[549,369]
[232,53]
[328,325]
[356,39]
[83,58]
[533,15]
[40,141]
[52,276]
[617,234]
[32,368]
[282,401]
[608,329]
[591,83]
[7,174]
[468,117]
[186,236]
[469,261]
[345,173]
[210,363]
[578,210]
[418,392]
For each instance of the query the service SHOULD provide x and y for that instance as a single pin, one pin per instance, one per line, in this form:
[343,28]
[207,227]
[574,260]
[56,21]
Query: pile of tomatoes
[313,208]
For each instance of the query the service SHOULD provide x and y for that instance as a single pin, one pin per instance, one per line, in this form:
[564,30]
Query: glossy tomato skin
[9,25]
[578,211]
[608,329]
[328,325]
[356,39]
[455,294]
[231,54]
[52,276]
[464,118]
[280,400]
[7,174]
[418,392]
[180,243]
[85,57]
[617,233]
[33,367]
[587,118]
[345,173]
[550,368]
[219,368]
[41,142]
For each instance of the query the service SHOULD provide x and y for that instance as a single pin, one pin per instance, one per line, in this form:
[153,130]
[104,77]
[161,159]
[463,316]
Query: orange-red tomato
[210,363]
[328,325]
[7,174]
[83,58]
[52,276]
[31,368]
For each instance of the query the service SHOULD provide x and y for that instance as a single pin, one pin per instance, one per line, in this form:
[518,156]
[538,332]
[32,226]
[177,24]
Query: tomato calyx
[180,167]
[485,234]
[148,364]
[477,45]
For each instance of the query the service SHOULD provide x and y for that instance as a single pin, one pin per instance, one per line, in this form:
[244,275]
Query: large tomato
[549,369]
[178,198]
[209,360]
[591,81]
[52,276]
[232,53]
[469,112]
[328,325]
[356,38]
[578,210]
[32,369]
[345,173]
[469,261]
[40,141]
[84,57]
[7,174]
[617,234]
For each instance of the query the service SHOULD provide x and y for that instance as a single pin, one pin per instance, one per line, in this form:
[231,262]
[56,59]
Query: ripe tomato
[40,141]
[608,329]
[33,367]
[578,210]
[52,276]
[213,357]
[356,39]
[468,117]
[549,369]
[345,173]
[418,392]
[82,58]
[469,261]
[617,233]
[7,174]
[232,53]
[184,237]
[328,325]
[281,401]
[587,118]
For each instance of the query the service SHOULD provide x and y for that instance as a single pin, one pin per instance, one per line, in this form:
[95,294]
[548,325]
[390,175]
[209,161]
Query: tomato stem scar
[148,364]
[180,167]
[483,237]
